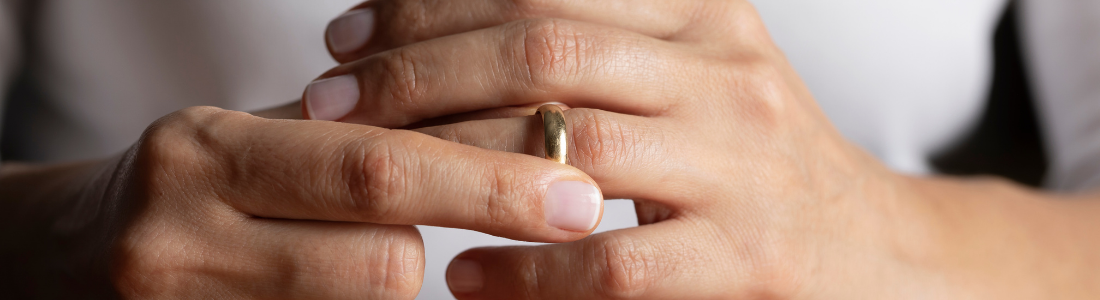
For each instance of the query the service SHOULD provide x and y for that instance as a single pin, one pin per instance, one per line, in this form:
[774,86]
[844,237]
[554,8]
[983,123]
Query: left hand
[742,187]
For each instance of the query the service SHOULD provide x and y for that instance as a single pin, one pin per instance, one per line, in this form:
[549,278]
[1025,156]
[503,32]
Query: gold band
[553,124]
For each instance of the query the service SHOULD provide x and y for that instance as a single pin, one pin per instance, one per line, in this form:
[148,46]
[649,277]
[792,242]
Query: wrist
[994,238]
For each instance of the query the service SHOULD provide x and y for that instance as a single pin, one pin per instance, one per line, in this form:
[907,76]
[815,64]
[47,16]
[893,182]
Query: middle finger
[518,63]
[376,26]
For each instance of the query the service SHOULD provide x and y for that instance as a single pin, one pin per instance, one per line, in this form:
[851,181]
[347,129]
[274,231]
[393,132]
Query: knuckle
[173,131]
[771,266]
[377,177]
[183,139]
[748,19]
[383,262]
[193,114]
[501,208]
[763,90]
[148,265]
[401,79]
[167,146]
[553,51]
[527,268]
[628,267]
[196,125]
[737,10]
[739,17]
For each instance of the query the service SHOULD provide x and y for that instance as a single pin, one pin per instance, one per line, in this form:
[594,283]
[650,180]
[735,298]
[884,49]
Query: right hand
[215,204]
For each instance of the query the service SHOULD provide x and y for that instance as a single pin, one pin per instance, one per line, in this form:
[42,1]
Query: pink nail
[465,276]
[350,31]
[332,98]
[572,205]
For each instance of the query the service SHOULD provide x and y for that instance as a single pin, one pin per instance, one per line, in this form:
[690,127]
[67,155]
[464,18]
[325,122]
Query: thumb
[292,110]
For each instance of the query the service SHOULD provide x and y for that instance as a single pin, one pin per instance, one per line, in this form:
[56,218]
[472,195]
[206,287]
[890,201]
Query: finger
[656,261]
[321,260]
[291,111]
[377,26]
[628,155]
[334,260]
[492,113]
[210,252]
[650,212]
[343,172]
[519,63]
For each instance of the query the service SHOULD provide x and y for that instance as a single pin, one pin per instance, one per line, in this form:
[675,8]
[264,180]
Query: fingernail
[332,98]
[465,276]
[350,31]
[572,205]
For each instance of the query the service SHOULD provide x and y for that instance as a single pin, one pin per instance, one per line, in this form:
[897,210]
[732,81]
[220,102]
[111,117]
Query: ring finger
[628,155]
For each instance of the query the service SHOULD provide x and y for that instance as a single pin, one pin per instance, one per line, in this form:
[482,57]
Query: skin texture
[214,204]
[742,187]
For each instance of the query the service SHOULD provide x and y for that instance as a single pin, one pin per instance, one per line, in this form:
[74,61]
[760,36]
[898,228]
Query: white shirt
[1063,44]
[902,79]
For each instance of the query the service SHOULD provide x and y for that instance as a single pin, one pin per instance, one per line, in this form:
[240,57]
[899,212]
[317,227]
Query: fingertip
[479,272]
[573,205]
[465,276]
[331,98]
[351,31]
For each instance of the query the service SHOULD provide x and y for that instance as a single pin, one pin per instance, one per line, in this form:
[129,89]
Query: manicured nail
[465,276]
[572,205]
[350,31]
[332,98]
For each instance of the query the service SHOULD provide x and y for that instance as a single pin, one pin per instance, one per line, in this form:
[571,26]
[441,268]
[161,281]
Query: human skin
[217,204]
[743,189]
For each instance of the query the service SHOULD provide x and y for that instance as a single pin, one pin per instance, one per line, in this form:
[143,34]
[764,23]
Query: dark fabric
[1006,141]
[22,99]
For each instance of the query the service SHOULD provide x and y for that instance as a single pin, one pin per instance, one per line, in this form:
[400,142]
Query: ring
[553,124]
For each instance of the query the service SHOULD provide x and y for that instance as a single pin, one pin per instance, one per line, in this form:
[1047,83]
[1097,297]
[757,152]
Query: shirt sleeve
[1062,42]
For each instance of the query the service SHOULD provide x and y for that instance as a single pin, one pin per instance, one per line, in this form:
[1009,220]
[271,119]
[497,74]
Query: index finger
[331,171]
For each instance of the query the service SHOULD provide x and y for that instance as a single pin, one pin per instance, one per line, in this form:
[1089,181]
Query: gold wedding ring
[553,124]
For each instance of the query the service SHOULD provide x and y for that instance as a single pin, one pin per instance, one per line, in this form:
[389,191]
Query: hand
[742,187]
[215,204]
